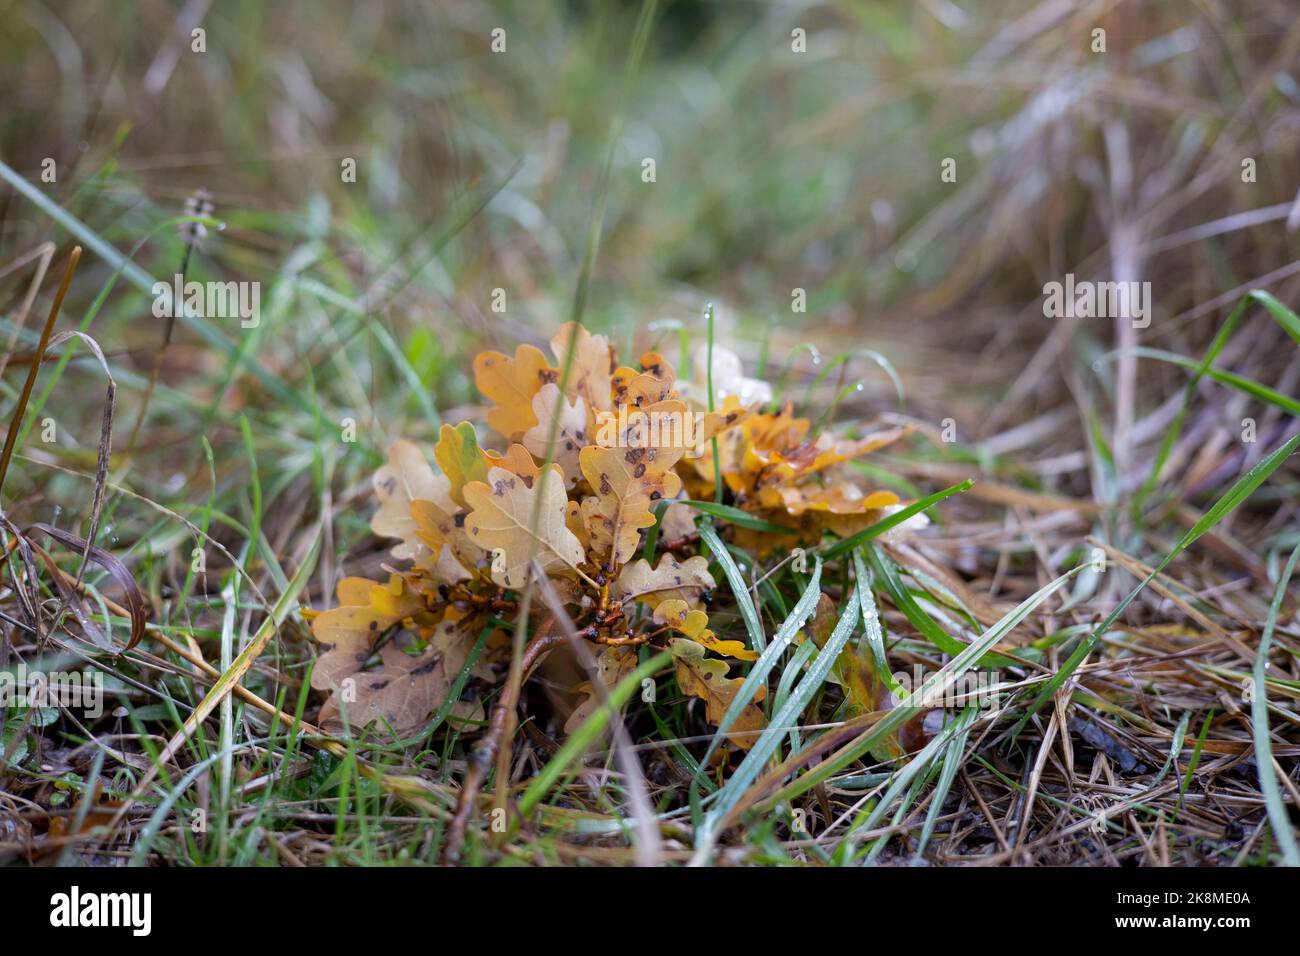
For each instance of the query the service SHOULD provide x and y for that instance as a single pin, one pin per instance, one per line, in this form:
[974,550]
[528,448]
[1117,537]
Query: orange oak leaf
[628,480]
[511,383]
[808,458]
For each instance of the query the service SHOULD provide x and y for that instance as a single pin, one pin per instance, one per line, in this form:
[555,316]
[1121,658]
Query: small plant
[588,503]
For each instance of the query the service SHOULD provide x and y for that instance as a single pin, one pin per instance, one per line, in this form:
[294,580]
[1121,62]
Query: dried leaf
[694,624]
[347,633]
[685,581]
[511,383]
[593,359]
[612,665]
[405,478]
[516,460]
[678,524]
[627,481]
[654,383]
[502,518]
[706,678]
[450,556]
[568,422]
[406,687]
[809,458]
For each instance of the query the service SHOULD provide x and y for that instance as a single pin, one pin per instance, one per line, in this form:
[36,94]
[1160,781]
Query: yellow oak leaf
[706,678]
[573,521]
[654,383]
[520,520]
[843,498]
[451,555]
[694,624]
[745,441]
[511,383]
[348,632]
[517,459]
[731,414]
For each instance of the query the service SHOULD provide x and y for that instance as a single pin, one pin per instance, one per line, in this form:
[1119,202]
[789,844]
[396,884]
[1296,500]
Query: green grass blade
[733,516]
[757,675]
[897,518]
[587,732]
[1281,314]
[951,762]
[1278,818]
[1239,382]
[744,601]
[874,635]
[770,739]
[932,689]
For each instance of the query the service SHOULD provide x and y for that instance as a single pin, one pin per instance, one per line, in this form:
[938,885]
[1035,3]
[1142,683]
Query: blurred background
[795,146]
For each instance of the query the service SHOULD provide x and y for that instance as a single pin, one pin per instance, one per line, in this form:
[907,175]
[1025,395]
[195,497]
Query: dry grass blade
[137,605]
[11,437]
